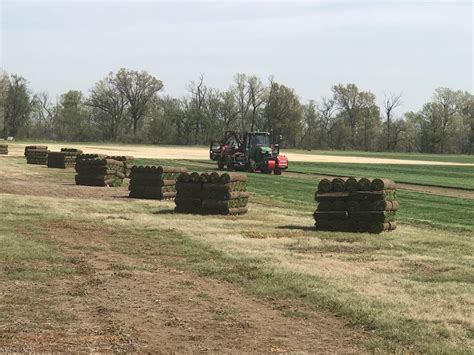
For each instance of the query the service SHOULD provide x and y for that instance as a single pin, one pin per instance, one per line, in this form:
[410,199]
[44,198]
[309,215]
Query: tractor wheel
[220,165]
[251,166]
[230,166]
[277,171]
[266,171]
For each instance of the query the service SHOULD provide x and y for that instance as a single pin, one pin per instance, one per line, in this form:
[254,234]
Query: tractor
[251,152]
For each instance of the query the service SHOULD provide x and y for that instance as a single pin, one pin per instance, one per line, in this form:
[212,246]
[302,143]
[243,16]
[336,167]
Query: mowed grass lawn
[450,158]
[411,289]
[298,193]
[458,177]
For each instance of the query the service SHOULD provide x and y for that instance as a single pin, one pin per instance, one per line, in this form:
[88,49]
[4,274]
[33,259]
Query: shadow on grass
[164,212]
[296,227]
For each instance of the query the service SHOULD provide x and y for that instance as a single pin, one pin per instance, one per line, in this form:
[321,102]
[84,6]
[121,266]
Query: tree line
[127,106]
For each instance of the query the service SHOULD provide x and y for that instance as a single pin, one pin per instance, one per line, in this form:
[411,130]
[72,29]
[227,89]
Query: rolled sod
[232,186]
[388,195]
[171,169]
[352,206]
[214,178]
[331,196]
[232,177]
[205,177]
[350,184]
[337,184]
[330,215]
[371,216]
[382,184]
[386,205]
[364,184]
[324,185]
[324,205]
[382,227]
[195,177]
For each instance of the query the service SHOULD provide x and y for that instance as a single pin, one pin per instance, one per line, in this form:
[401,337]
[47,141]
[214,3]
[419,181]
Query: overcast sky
[398,46]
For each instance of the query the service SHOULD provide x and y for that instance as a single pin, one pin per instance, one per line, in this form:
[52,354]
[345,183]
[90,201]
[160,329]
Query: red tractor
[251,152]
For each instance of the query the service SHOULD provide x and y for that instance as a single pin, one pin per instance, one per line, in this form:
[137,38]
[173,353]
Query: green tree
[138,88]
[18,105]
[283,114]
[73,118]
[353,106]
[109,105]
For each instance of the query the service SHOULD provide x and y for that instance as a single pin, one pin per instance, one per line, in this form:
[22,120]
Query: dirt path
[200,153]
[135,303]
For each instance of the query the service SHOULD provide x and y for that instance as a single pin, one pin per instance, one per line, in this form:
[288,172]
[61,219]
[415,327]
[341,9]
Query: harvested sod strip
[154,182]
[99,172]
[351,205]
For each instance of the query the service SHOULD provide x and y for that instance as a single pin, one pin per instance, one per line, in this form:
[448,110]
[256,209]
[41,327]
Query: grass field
[405,291]
[458,177]
[452,158]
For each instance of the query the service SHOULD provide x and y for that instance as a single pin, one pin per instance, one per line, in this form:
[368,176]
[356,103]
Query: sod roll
[382,184]
[324,185]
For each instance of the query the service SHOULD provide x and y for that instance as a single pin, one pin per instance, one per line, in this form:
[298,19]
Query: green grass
[458,177]
[451,158]
[410,289]
[293,192]
[261,278]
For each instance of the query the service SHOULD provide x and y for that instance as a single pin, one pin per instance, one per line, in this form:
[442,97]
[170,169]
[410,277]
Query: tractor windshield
[260,139]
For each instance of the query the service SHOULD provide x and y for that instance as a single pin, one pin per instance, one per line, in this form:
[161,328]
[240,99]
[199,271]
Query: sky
[408,47]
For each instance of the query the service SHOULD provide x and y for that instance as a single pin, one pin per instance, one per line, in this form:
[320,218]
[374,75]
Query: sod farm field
[89,269]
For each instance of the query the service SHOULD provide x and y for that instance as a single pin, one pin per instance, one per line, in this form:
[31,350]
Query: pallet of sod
[154,182]
[126,160]
[4,149]
[188,193]
[99,172]
[34,147]
[356,205]
[37,155]
[62,160]
[224,194]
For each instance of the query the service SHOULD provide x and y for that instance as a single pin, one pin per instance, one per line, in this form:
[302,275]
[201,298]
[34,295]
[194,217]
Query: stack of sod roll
[154,182]
[224,194]
[188,193]
[363,205]
[212,193]
[127,162]
[66,158]
[36,154]
[72,150]
[99,172]
[3,148]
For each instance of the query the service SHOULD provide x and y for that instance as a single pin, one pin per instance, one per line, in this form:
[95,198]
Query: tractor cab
[252,151]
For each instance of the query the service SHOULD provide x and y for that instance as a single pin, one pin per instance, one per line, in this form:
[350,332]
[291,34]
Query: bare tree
[199,93]
[241,90]
[390,103]
[257,96]
[43,113]
[353,105]
[327,108]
